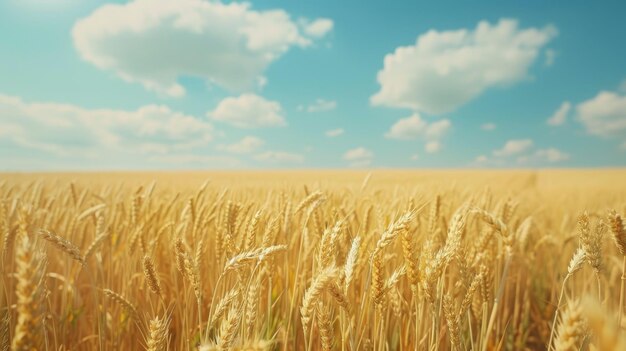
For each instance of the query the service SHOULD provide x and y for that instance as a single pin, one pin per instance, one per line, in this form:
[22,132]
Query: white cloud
[550,57]
[446,69]
[437,129]
[407,128]
[560,116]
[246,145]
[68,130]
[414,126]
[248,111]
[155,42]
[604,115]
[488,127]
[415,157]
[623,146]
[481,159]
[551,155]
[514,147]
[334,132]
[543,156]
[361,163]
[318,28]
[432,147]
[320,105]
[279,157]
[486,161]
[192,161]
[359,157]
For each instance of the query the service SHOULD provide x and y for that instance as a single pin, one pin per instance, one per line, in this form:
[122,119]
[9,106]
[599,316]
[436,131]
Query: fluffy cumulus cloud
[514,147]
[445,69]
[248,111]
[246,145]
[560,115]
[604,115]
[65,130]
[334,132]
[414,127]
[279,157]
[320,105]
[155,42]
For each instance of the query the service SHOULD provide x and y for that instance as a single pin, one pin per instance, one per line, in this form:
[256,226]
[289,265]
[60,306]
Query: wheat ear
[62,244]
[158,336]
[571,330]
[151,276]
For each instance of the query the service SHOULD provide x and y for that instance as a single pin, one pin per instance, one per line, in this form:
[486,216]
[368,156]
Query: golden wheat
[309,261]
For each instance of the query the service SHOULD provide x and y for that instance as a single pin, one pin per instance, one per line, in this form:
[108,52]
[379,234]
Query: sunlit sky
[197,84]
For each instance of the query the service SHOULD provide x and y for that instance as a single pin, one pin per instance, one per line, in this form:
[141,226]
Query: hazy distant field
[313,260]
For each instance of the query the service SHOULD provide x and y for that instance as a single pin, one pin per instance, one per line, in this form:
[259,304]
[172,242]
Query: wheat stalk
[30,265]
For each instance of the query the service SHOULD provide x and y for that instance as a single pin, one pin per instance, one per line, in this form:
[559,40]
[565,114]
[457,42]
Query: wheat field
[313,260]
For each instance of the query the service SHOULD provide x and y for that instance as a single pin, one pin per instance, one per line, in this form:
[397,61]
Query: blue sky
[196,84]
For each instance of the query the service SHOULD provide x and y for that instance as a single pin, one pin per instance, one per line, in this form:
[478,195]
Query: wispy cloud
[513,147]
[194,161]
[280,157]
[432,147]
[488,127]
[550,57]
[246,145]
[550,155]
[334,132]
[69,130]
[320,105]
[560,115]
[359,157]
